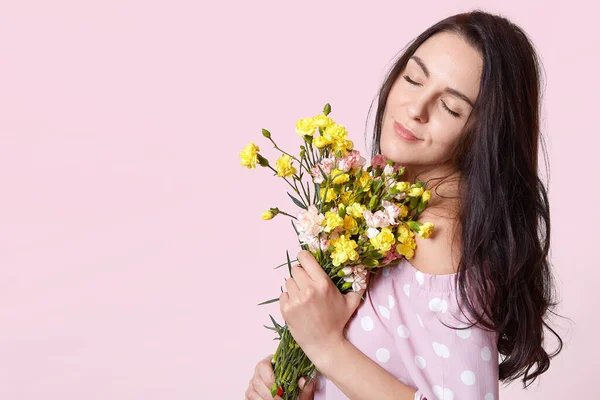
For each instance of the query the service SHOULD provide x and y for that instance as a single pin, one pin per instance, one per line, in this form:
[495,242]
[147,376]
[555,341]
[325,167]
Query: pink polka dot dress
[399,326]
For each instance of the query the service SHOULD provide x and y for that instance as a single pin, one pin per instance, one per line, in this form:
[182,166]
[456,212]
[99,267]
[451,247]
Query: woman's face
[446,71]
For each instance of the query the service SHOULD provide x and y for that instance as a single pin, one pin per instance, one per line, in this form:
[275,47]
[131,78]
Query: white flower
[372,232]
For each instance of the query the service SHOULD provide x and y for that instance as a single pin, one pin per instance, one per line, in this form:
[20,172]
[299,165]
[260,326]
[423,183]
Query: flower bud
[426,196]
[266,133]
[415,192]
[270,213]
[402,186]
[327,109]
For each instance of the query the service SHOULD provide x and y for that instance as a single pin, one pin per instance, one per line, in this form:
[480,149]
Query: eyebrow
[448,89]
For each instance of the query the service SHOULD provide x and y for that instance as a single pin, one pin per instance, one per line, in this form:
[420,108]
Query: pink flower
[380,161]
[391,211]
[352,160]
[377,220]
[326,164]
[309,221]
[314,243]
[390,256]
[358,276]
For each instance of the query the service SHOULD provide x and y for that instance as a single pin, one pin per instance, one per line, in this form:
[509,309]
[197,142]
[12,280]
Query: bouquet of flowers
[357,219]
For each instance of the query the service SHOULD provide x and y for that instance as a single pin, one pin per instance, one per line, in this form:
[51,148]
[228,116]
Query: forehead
[451,61]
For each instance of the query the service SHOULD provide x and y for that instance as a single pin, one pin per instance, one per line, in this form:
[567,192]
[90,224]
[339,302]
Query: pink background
[132,251]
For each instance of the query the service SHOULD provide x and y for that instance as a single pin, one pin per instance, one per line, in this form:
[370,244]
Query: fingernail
[301,382]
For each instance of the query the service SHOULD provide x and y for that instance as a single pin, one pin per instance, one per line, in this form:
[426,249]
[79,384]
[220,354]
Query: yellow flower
[343,178]
[426,230]
[346,195]
[415,192]
[267,215]
[402,233]
[405,250]
[323,121]
[284,166]
[403,211]
[344,250]
[364,182]
[426,195]
[331,195]
[306,127]
[350,225]
[332,221]
[335,132]
[410,242]
[402,186]
[384,240]
[355,210]
[320,142]
[249,156]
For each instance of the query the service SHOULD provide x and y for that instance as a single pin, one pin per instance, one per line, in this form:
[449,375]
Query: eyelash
[454,114]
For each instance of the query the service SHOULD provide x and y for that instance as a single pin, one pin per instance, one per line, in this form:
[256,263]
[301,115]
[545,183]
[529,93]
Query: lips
[403,132]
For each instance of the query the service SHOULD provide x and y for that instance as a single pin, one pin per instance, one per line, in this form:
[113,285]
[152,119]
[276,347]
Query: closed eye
[453,113]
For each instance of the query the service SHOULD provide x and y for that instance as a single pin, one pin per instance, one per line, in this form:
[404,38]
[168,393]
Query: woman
[460,110]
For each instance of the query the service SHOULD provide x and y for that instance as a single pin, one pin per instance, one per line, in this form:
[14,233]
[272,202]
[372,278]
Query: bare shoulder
[440,253]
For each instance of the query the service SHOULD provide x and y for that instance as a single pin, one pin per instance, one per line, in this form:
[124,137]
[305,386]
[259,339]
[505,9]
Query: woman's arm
[359,377]
[316,313]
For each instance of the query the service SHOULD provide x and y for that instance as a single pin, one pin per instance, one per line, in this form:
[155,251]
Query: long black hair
[504,212]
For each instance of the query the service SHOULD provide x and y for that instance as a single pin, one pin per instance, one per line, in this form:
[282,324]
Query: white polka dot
[384,312]
[406,288]
[403,331]
[468,377]
[367,323]
[463,333]
[385,271]
[420,321]
[489,396]
[486,354]
[399,266]
[420,277]
[443,393]
[441,350]
[436,304]
[420,361]
[391,301]
[383,354]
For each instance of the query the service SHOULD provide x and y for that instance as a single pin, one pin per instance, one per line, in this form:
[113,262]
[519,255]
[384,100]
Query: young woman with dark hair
[460,109]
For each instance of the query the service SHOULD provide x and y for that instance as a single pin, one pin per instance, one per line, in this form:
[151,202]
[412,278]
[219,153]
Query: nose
[417,108]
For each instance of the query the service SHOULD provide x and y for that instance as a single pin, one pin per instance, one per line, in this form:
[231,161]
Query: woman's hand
[314,309]
[259,387]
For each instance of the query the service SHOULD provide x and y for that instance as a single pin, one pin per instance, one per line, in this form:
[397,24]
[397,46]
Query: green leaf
[325,176]
[297,202]
[270,327]
[288,261]
[275,324]
[269,301]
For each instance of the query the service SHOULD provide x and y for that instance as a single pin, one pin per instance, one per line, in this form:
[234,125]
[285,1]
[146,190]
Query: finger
[265,371]
[301,276]
[353,298]
[292,287]
[308,392]
[312,266]
[252,395]
[261,388]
